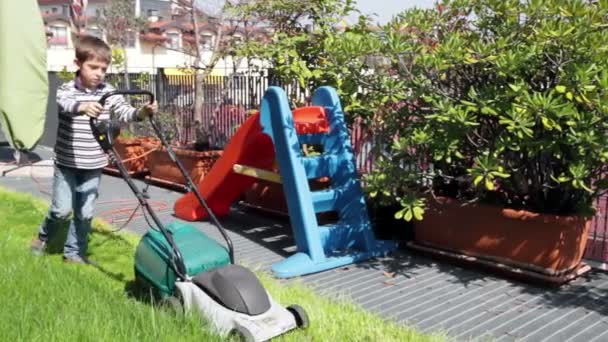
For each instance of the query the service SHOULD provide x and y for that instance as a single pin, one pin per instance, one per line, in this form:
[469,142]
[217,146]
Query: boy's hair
[90,47]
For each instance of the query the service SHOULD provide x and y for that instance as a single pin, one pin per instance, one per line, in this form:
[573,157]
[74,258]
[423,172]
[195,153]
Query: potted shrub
[130,150]
[164,170]
[197,158]
[498,146]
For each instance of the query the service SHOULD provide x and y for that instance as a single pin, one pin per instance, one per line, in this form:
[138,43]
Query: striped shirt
[76,146]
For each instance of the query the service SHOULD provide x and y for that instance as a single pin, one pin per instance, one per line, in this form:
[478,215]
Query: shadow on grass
[98,238]
[134,287]
[104,237]
[142,292]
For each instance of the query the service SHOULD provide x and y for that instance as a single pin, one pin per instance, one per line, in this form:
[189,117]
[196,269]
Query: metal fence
[226,100]
[597,242]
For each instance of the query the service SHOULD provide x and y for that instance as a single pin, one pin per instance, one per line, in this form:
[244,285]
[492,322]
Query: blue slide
[320,247]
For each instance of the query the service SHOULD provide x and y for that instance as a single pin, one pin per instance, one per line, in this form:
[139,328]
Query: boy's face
[92,72]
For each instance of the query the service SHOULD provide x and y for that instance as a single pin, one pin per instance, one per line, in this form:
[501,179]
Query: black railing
[227,100]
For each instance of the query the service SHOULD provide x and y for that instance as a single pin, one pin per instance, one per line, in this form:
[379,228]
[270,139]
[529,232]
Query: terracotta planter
[270,197]
[548,244]
[130,150]
[267,196]
[163,169]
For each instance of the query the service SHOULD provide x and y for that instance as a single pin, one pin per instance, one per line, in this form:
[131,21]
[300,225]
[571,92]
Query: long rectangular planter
[548,244]
[196,163]
[131,152]
[269,196]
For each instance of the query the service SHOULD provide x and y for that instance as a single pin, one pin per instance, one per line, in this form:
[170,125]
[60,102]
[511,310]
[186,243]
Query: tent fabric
[23,73]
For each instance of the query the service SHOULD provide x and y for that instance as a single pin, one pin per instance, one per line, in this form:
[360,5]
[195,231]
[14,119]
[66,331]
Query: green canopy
[23,74]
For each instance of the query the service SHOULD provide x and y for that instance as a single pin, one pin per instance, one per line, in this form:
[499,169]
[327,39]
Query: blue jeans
[73,190]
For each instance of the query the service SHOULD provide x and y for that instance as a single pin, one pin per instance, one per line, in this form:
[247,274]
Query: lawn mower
[191,271]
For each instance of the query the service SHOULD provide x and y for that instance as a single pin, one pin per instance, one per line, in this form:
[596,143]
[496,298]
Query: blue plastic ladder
[319,247]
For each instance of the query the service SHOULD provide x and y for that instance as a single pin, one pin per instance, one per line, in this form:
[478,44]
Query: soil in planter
[198,164]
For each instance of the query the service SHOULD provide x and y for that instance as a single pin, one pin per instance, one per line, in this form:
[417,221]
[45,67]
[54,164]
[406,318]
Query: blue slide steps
[320,247]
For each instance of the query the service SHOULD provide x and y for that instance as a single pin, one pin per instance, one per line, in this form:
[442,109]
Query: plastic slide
[250,147]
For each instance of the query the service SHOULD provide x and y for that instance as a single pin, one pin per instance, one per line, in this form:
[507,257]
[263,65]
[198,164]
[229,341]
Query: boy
[78,157]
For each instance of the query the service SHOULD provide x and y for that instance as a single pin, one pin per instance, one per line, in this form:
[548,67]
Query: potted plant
[131,152]
[497,150]
[197,158]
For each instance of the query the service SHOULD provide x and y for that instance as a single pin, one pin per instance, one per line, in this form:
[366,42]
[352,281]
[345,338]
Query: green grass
[43,299]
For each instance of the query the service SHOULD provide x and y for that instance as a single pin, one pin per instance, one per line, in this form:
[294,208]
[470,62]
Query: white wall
[142,58]
[49,9]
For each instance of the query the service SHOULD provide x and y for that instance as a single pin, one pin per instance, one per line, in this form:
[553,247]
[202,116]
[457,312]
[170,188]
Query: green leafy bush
[503,101]
[482,100]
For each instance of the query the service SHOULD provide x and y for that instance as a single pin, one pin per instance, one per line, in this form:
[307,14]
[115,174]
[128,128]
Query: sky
[385,9]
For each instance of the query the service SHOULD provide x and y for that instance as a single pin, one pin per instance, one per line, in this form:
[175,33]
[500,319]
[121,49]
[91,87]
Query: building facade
[163,43]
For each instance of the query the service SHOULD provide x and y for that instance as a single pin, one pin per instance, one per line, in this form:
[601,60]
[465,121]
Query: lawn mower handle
[180,166]
[102,100]
[105,132]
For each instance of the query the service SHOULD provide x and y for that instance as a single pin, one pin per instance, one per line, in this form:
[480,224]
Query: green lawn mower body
[153,255]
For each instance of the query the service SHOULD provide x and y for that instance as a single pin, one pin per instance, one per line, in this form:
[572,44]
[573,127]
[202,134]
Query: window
[173,40]
[95,32]
[64,10]
[152,13]
[131,39]
[54,10]
[207,41]
[59,37]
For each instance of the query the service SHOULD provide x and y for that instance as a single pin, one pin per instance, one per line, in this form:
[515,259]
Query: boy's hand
[147,110]
[92,109]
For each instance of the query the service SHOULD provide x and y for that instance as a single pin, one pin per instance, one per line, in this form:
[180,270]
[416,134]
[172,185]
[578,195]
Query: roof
[64,2]
[168,24]
[161,24]
[48,17]
[53,2]
[154,29]
[153,37]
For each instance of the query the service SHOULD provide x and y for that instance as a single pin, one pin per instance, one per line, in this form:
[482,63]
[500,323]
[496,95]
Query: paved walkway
[429,295]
